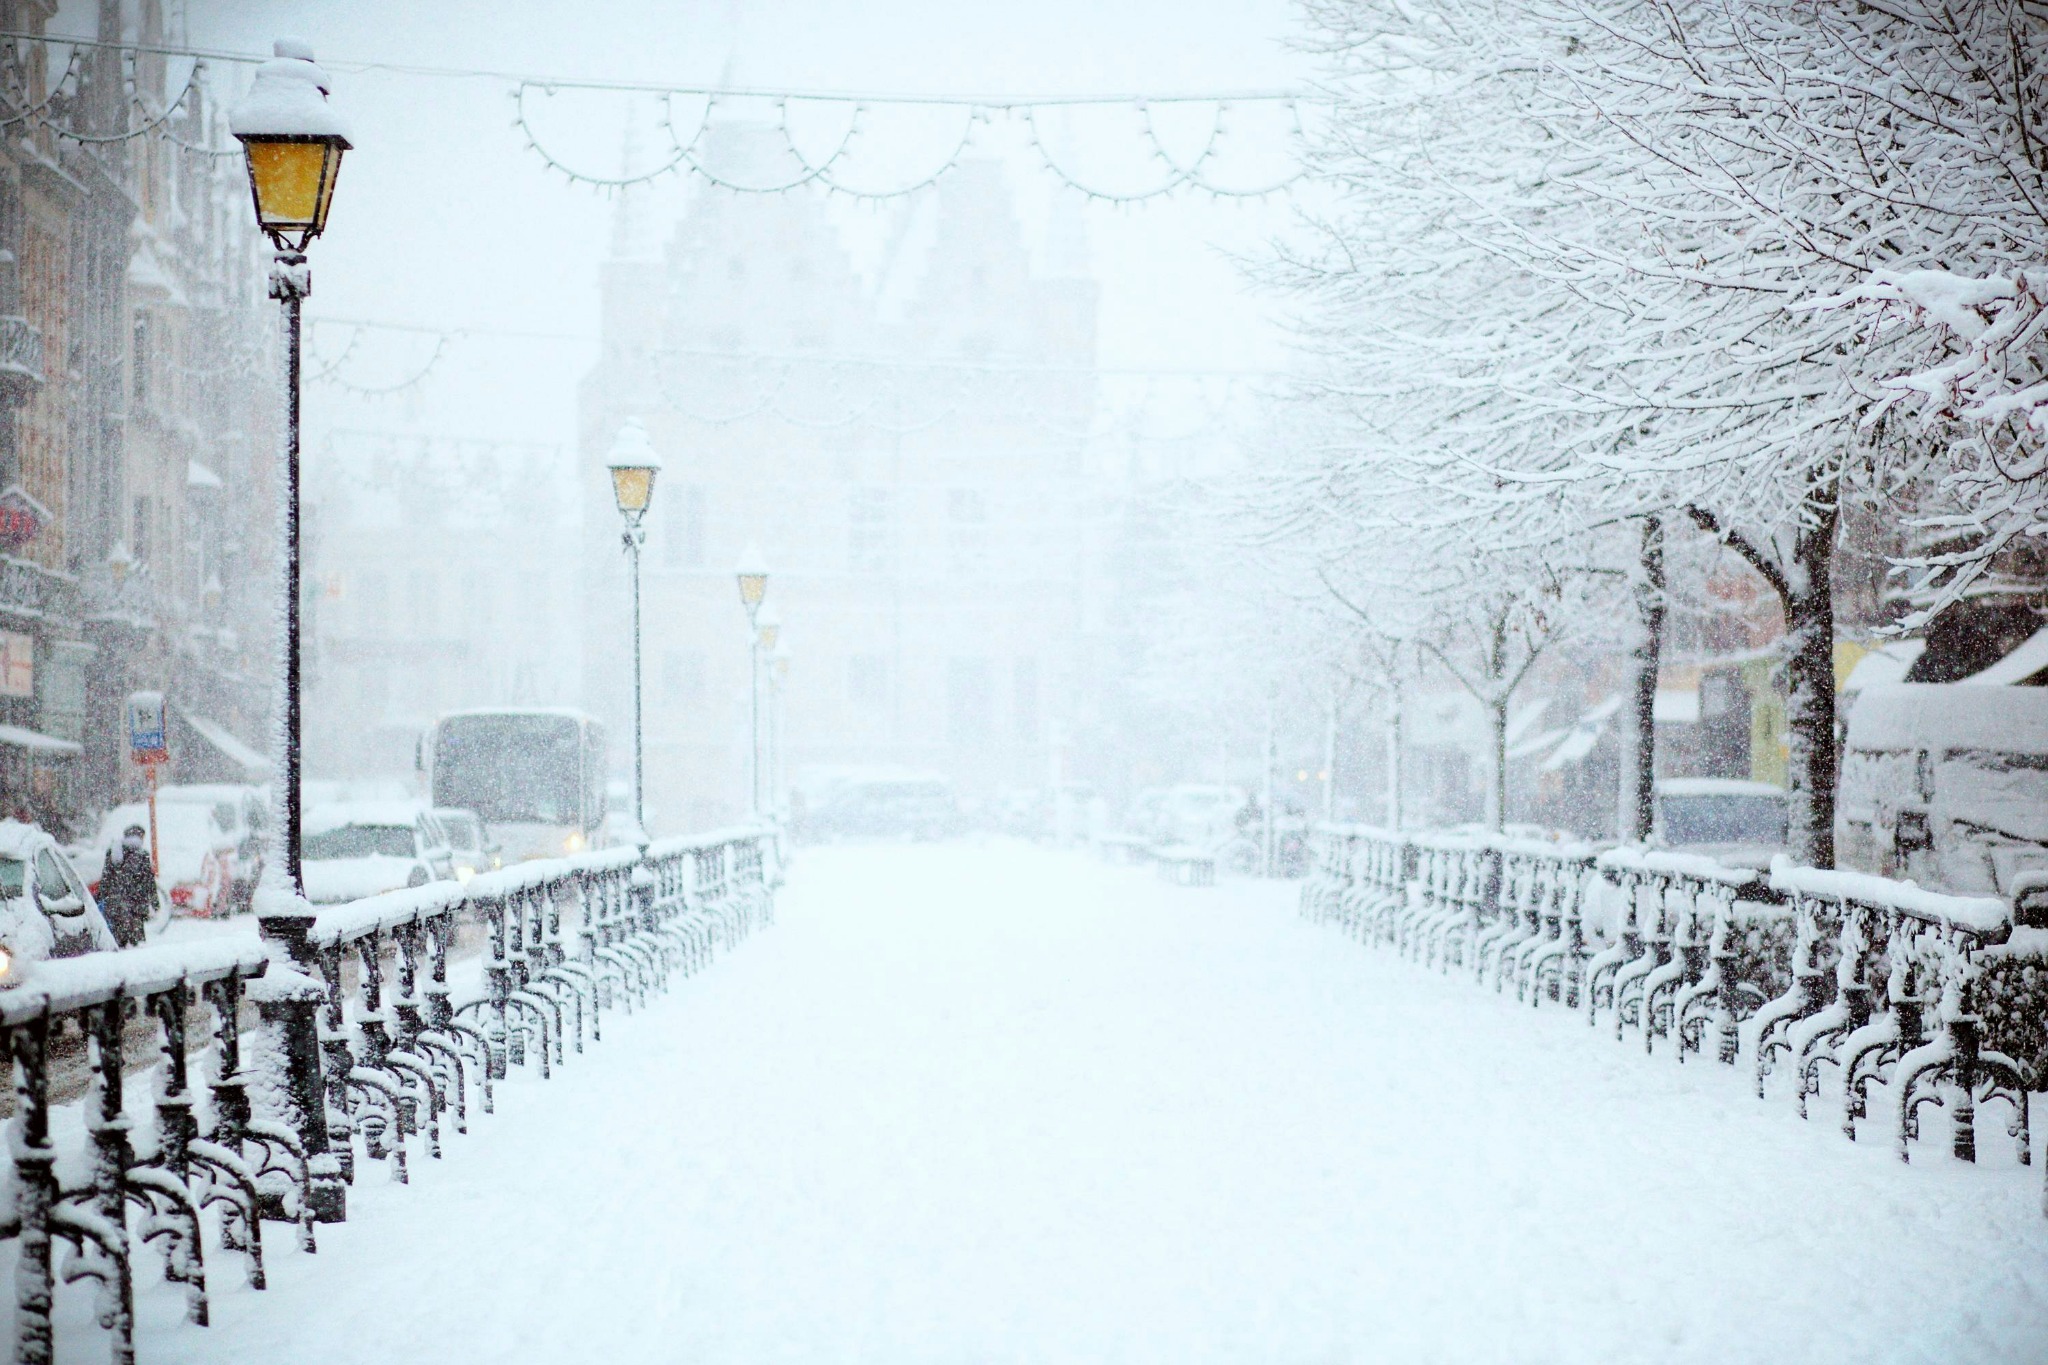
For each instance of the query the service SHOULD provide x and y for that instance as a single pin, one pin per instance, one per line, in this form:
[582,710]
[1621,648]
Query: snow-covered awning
[254,766]
[198,475]
[1675,706]
[43,746]
[1580,740]
[2015,668]
[1886,664]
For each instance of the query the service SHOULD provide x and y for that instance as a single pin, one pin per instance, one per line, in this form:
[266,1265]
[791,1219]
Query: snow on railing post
[283,919]
[388,1057]
[1677,944]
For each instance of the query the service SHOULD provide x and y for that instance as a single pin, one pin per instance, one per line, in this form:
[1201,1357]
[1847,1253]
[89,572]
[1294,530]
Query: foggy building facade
[139,407]
[920,508]
[442,575]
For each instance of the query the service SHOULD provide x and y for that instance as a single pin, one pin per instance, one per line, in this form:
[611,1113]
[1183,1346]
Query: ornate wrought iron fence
[1882,988]
[403,1051]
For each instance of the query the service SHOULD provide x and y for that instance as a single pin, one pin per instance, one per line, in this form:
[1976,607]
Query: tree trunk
[1394,761]
[1330,763]
[1639,719]
[1810,682]
[1497,790]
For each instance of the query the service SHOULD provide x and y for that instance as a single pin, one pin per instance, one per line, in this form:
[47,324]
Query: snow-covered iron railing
[1928,998]
[407,1034]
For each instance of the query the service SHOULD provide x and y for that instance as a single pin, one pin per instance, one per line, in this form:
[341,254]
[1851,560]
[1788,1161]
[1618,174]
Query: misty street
[996,1103]
[1214,682]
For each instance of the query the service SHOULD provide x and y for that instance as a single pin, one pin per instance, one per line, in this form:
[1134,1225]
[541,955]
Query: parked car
[1946,784]
[357,849]
[1741,823]
[195,853]
[1208,817]
[471,849]
[907,807]
[46,910]
[244,812]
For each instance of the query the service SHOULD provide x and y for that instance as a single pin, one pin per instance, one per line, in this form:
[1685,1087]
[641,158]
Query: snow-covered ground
[999,1104]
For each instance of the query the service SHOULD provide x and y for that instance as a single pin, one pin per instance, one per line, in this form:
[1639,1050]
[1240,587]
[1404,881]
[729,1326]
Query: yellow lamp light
[633,466]
[293,141]
[769,623]
[752,574]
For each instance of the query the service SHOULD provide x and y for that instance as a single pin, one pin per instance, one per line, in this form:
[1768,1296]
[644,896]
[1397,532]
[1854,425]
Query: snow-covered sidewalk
[997,1104]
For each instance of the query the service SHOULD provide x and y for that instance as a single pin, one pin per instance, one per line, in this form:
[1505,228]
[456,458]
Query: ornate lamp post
[778,677]
[752,574]
[767,630]
[293,140]
[634,466]
[293,143]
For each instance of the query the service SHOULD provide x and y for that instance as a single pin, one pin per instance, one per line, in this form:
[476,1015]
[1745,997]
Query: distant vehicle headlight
[6,967]
[574,843]
[463,873]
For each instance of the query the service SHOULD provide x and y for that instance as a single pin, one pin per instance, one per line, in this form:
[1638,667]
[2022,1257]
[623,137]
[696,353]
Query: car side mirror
[1910,832]
[2030,900]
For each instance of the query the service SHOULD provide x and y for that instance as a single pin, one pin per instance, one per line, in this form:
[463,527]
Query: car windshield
[360,841]
[13,875]
[461,832]
[1724,819]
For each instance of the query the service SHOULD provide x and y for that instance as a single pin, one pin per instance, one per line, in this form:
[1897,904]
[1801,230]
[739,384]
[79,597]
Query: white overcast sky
[444,218]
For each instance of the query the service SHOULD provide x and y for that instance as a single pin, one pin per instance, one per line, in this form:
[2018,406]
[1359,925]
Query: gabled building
[904,447]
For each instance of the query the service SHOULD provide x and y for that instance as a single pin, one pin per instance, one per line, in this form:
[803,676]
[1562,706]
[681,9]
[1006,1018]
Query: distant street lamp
[767,630]
[778,721]
[634,466]
[293,140]
[752,574]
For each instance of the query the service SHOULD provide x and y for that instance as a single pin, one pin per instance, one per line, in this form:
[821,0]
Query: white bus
[536,775]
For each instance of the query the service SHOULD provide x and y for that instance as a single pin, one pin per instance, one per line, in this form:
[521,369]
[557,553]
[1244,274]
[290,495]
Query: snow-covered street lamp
[634,466]
[293,141]
[767,630]
[752,575]
[778,722]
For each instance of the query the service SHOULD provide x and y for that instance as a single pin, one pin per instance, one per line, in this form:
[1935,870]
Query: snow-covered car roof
[331,881]
[205,791]
[342,814]
[18,840]
[186,832]
[1940,716]
[1716,786]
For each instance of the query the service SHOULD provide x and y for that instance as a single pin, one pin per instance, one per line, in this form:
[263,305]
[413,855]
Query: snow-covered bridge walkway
[973,1104]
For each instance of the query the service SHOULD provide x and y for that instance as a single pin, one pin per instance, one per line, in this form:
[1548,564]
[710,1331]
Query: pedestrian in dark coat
[128,889]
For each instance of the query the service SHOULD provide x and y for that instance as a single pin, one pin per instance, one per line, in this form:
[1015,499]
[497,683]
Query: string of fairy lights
[891,395]
[689,115]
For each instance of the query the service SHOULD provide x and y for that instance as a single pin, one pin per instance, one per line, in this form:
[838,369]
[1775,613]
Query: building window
[869,545]
[141,359]
[1024,700]
[867,683]
[140,548]
[967,701]
[967,530]
[682,676]
[686,528]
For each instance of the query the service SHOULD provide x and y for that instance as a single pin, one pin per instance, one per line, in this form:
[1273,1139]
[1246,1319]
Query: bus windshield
[517,769]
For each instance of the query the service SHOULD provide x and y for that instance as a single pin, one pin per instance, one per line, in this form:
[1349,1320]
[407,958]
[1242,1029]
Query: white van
[1946,784]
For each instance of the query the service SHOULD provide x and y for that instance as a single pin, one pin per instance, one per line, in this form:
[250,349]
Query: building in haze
[906,447]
